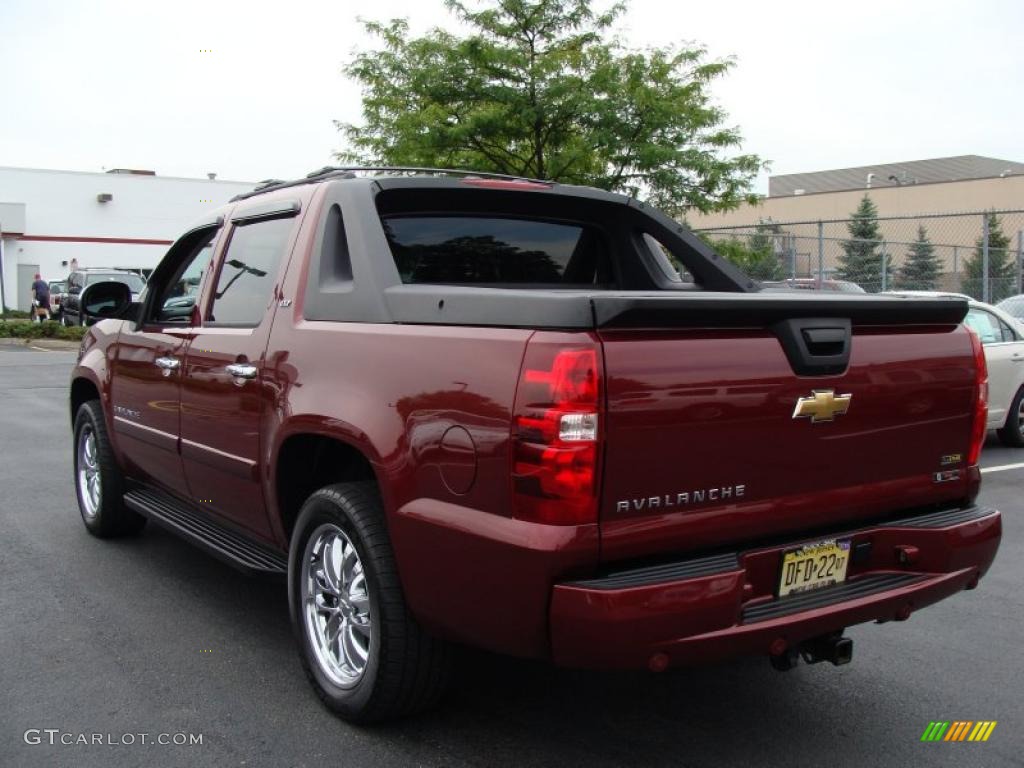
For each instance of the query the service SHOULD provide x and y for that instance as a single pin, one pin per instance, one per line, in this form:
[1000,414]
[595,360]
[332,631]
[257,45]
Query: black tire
[405,670]
[1011,433]
[109,517]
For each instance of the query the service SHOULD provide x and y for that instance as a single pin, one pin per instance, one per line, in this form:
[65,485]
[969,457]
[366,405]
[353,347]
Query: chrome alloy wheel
[336,605]
[1020,416]
[90,489]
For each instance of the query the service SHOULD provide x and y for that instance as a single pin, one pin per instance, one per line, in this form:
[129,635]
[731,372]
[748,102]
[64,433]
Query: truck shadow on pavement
[517,712]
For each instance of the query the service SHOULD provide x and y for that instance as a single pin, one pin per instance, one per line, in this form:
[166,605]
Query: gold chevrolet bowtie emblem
[822,405]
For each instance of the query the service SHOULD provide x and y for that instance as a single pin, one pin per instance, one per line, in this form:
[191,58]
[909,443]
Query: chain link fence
[979,253]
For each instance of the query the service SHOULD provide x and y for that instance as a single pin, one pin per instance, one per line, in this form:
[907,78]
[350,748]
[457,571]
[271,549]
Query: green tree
[1001,267]
[861,261]
[540,88]
[921,268]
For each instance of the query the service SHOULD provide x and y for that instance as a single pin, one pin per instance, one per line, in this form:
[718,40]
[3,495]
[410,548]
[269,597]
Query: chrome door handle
[168,363]
[242,370]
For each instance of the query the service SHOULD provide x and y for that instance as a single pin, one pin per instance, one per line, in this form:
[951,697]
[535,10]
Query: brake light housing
[519,185]
[556,430]
[980,416]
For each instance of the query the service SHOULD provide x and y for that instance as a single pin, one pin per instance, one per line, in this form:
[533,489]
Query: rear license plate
[813,566]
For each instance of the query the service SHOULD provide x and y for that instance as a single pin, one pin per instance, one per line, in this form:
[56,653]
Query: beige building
[894,188]
[945,195]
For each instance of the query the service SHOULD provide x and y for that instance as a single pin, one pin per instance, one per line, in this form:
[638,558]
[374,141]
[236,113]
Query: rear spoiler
[746,310]
[586,309]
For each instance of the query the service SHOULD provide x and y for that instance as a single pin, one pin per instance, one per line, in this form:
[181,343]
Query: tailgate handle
[815,346]
[825,341]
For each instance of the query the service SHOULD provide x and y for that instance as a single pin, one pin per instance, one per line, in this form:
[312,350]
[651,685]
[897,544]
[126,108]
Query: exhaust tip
[785,661]
[842,652]
[835,649]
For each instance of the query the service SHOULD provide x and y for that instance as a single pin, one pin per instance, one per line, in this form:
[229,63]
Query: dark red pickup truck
[537,419]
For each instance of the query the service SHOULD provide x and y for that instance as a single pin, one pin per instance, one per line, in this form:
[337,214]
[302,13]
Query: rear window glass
[134,282]
[497,251]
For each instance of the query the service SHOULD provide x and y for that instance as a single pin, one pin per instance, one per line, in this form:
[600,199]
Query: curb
[55,344]
[61,345]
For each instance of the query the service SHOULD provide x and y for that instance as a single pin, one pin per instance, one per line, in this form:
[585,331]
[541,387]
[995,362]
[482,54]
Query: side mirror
[106,299]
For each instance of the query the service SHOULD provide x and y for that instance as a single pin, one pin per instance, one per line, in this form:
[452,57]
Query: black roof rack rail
[327,170]
[349,172]
[434,171]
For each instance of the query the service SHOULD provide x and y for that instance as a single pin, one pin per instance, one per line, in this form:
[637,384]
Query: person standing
[40,299]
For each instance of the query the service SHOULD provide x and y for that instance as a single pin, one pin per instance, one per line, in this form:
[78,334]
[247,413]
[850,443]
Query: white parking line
[1003,467]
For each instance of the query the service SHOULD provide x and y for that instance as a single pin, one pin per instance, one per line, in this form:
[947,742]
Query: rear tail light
[980,417]
[555,431]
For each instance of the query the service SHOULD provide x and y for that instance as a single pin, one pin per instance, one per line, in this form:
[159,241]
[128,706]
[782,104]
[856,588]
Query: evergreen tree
[922,267]
[756,258]
[861,261]
[1001,267]
[766,234]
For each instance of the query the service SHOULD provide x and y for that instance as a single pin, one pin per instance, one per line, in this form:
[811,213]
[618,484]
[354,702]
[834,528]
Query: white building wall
[62,220]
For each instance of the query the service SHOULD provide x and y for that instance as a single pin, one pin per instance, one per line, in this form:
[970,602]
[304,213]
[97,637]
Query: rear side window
[989,328]
[497,251]
[1004,329]
[134,282]
[666,261]
[249,272]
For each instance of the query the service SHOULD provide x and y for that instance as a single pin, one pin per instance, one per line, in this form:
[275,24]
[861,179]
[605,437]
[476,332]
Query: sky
[250,90]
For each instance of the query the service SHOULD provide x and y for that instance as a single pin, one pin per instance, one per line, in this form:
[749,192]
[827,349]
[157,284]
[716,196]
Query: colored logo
[822,405]
[958,730]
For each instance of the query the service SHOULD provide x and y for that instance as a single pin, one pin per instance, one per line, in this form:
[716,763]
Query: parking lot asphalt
[149,636]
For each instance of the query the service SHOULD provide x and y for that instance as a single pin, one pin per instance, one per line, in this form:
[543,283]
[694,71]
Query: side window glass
[177,289]
[249,272]
[182,293]
[984,325]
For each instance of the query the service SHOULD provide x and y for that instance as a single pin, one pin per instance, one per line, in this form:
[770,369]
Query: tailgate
[709,443]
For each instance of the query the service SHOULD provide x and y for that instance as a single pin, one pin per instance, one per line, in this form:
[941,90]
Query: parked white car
[1014,305]
[1003,338]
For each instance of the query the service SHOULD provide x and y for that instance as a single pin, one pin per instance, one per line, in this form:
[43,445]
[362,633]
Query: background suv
[77,280]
